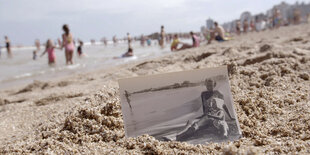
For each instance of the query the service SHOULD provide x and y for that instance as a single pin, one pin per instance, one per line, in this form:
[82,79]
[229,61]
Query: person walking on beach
[276,18]
[142,40]
[50,50]
[129,39]
[217,34]
[8,46]
[296,16]
[162,36]
[238,27]
[252,26]
[245,26]
[67,43]
[105,41]
[115,40]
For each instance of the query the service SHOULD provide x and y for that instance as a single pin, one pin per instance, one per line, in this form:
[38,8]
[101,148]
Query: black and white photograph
[191,106]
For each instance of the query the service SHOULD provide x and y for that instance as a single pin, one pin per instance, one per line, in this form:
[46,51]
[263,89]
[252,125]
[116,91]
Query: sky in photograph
[26,20]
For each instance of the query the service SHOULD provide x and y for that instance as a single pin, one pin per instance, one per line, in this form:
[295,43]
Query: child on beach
[34,55]
[79,49]
[49,49]
[175,42]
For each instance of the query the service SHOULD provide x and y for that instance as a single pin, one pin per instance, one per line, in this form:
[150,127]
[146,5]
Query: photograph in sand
[50,106]
[192,106]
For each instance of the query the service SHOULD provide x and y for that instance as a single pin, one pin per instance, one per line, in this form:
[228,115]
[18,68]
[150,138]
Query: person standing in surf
[8,46]
[162,36]
[67,43]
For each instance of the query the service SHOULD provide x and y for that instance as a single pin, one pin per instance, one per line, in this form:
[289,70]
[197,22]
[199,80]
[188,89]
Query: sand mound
[269,84]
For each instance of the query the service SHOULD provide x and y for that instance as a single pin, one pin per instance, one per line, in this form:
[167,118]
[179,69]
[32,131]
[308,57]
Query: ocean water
[21,69]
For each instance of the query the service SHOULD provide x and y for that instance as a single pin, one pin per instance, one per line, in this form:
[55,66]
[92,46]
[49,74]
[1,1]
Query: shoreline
[269,72]
[21,70]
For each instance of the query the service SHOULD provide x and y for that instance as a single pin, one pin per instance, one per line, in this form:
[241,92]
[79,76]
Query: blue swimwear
[219,38]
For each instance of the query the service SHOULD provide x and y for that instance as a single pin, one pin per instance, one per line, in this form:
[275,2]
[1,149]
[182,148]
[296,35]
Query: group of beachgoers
[67,44]
[275,21]
[217,32]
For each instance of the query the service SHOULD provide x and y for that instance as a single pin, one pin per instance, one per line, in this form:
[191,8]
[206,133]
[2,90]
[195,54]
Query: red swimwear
[196,41]
[51,55]
[68,43]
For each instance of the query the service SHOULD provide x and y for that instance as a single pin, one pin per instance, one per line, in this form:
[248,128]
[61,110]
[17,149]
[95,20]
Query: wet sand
[269,77]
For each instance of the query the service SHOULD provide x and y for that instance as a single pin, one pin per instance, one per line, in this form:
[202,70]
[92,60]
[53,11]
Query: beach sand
[269,77]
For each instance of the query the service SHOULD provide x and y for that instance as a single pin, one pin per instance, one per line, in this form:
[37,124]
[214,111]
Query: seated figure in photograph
[213,114]
[214,118]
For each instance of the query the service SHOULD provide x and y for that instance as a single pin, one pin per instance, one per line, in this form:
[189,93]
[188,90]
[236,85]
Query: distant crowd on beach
[248,24]
[261,22]
[216,32]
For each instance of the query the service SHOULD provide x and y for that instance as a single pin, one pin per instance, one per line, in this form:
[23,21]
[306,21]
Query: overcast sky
[25,20]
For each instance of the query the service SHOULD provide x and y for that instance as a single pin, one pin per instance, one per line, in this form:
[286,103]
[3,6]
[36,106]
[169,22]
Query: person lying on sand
[196,42]
[129,53]
[217,34]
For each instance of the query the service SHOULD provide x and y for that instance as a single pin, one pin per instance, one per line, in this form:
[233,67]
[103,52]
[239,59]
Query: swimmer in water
[34,55]
[129,53]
